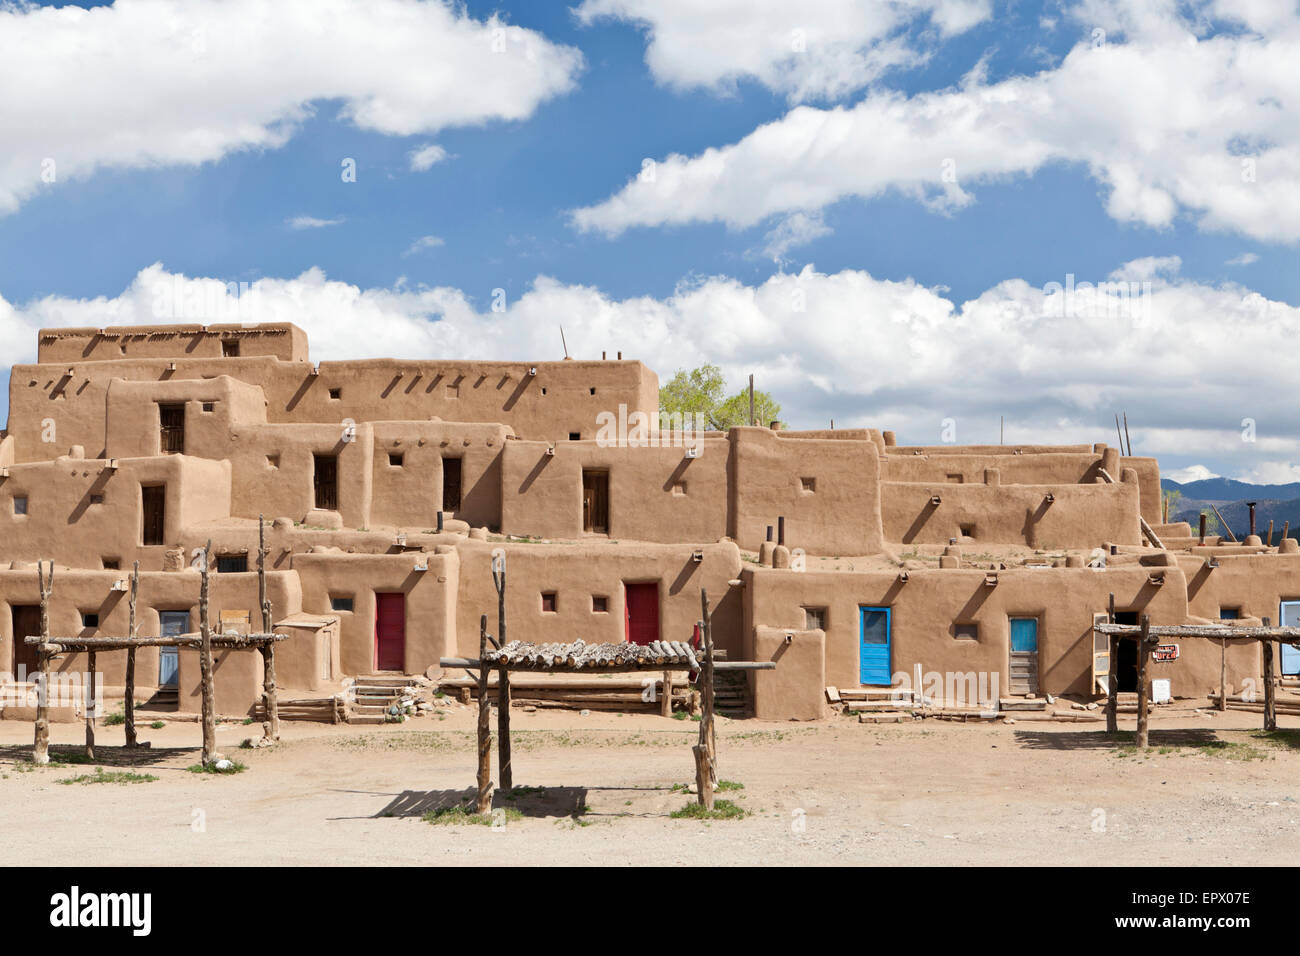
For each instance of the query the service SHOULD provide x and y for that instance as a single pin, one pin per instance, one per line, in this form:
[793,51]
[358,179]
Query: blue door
[873,660]
[174,624]
[1290,617]
[1023,669]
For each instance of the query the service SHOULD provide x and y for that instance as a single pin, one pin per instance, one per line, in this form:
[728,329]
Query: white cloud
[848,346]
[423,244]
[815,49]
[796,229]
[311,222]
[1190,473]
[425,157]
[1245,259]
[1169,122]
[146,83]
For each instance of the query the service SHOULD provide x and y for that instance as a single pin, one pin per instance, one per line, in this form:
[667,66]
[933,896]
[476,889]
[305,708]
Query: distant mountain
[1277,503]
[1229,489]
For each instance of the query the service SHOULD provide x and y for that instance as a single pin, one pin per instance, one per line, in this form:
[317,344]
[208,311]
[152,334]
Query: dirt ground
[1212,790]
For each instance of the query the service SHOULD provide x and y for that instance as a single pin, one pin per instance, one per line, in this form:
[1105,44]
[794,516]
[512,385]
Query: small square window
[232,563]
[273,461]
[395,459]
[599,604]
[111,564]
[593,391]
[96,499]
[966,530]
[549,603]
[89,620]
[1229,613]
[230,349]
[341,604]
[809,485]
[543,389]
[814,619]
[575,436]
[20,504]
[966,632]
[336,393]
[209,406]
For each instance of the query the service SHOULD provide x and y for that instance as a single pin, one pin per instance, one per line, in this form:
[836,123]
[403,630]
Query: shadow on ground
[529,801]
[1101,740]
[66,755]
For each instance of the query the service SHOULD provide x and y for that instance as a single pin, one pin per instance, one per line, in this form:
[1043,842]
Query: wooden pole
[1112,681]
[1270,696]
[484,725]
[41,743]
[205,666]
[751,399]
[505,770]
[91,704]
[270,695]
[1126,438]
[666,698]
[1232,537]
[1144,655]
[706,770]
[1286,527]
[1270,532]
[130,657]
[1223,674]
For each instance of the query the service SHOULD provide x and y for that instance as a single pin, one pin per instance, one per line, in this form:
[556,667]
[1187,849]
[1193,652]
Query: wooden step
[1021,703]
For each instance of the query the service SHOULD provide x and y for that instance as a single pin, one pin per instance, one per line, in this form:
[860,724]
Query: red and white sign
[1163,653]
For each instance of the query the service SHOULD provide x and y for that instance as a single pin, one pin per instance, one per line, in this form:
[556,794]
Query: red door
[641,612]
[390,632]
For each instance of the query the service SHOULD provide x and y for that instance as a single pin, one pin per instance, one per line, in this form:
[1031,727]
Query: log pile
[525,656]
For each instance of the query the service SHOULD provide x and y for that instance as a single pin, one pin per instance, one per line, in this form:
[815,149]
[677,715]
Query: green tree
[700,392]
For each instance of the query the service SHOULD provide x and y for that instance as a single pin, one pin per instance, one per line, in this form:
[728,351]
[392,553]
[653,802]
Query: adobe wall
[1081,516]
[313,648]
[562,398]
[431,598]
[1048,468]
[63,524]
[284,341]
[411,494]
[926,607]
[828,490]
[577,572]
[655,494]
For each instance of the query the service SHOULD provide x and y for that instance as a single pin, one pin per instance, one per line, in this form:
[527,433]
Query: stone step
[365,718]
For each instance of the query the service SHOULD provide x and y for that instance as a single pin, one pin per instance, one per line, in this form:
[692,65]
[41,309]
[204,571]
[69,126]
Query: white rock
[223,764]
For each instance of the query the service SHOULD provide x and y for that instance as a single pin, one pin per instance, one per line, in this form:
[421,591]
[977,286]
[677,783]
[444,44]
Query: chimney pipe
[780,530]
[1251,506]
[1202,527]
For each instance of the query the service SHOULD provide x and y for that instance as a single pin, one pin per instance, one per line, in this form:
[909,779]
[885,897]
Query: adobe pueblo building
[388,484]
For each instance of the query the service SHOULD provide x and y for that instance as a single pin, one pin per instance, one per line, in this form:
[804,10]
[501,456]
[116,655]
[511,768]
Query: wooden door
[1024,656]
[595,502]
[326,480]
[390,632]
[874,665]
[451,484]
[641,611]
[171,420]
[26,623]
[153,504]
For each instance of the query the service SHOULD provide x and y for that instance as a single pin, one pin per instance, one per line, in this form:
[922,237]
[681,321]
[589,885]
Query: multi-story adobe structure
[387,484]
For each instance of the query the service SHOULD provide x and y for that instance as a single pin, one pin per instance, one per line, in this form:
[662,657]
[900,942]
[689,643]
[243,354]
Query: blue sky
[501,208]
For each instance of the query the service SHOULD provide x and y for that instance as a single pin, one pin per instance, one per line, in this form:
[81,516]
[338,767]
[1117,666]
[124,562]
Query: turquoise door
[1023,669]
[1290,617]
[873,651]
